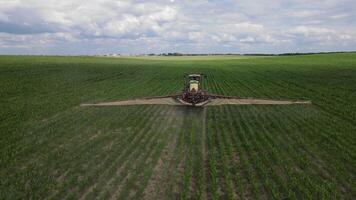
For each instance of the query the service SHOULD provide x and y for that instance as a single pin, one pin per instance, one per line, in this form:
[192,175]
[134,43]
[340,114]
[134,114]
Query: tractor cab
[194,83]
[193,88]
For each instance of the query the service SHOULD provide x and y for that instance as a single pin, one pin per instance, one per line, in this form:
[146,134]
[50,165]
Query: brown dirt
[213,102]
[205,156]
[95,136]
[155,189]
[162,173]
[61,178]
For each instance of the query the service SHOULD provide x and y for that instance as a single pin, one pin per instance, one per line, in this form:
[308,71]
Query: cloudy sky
[187,26]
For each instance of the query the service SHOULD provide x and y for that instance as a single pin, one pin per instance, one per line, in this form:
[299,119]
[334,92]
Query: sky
[82,27]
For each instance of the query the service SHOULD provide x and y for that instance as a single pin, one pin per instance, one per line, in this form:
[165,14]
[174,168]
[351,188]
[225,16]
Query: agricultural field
[52,148]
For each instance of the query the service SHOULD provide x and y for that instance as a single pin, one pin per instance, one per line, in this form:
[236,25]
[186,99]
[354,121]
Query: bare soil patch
[205,156]
[155,189]
[159,181]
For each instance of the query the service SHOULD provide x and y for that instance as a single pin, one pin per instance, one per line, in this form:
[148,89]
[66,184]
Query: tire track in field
[100,162]
[109,181]
[108,158]
[186,171]
[144,121]
[154,188]
[145,165]
[70,161]
[177,168]
[205,155]
[130,148]
[164,165]
[184,187]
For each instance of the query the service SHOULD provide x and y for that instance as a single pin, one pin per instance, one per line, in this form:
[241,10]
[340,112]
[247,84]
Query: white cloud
[248,27]
[208,26]
[303,13]
[310,31]
[247,39]
[339,16]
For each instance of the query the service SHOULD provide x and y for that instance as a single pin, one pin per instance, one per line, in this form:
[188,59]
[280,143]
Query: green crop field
[51,148]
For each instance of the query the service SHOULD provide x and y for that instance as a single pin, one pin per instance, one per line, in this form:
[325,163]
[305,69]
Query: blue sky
[187,26]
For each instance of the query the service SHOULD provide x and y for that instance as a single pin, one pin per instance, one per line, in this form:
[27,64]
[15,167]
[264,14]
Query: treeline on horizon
[190,54]
[248,54]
